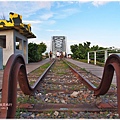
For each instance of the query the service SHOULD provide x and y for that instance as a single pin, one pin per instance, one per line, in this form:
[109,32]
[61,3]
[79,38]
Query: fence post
[88,58]
[95,57]
[105,55]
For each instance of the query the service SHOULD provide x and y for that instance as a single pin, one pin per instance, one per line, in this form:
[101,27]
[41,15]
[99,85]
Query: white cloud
[46,16]
[83,1]
[66,12]
[99,3]
[71,10]
[44,4]
[59,4]
[24,8]
[34,24]
[95,2]
[32,21]
[50,22]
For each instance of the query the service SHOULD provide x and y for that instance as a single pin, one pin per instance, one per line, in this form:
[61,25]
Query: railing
[95,52]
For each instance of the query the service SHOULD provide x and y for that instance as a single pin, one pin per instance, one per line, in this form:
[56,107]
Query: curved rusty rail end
[15,70]
[112,64]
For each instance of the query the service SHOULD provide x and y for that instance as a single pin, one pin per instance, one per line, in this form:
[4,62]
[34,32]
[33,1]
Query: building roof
[15,23]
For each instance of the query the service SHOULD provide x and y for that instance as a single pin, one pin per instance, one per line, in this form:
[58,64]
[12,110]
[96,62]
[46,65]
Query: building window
[3,41]
[18,43]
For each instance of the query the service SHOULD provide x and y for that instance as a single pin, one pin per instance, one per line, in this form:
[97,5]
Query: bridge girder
[58,44]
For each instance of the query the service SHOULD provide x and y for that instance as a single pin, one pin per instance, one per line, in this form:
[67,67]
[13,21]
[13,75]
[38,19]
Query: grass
[97,63]
[31,82]
[83,69]
[51,111]
[26,99]
[41,69]
[91,62]
[18,112]
[58,67]
[61,73]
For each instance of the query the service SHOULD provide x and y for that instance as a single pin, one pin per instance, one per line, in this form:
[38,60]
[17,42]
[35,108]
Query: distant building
[14,37]
[58,44]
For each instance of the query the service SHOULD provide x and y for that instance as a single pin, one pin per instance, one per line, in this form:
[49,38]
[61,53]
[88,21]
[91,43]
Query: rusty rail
[112,64]
[15,70]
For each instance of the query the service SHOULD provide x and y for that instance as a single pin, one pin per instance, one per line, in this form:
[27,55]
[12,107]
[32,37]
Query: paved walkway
[32,66]
[29,67]
[94,69]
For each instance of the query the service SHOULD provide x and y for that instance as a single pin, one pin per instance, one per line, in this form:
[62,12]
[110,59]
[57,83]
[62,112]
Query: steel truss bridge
[58,44]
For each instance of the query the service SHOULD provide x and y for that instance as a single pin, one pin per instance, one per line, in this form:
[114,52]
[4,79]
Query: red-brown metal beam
[15,70]
[112,64]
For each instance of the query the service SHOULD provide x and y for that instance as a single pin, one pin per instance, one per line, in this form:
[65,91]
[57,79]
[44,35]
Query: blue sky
[92,21]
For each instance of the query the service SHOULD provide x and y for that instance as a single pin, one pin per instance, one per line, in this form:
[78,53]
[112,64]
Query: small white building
[14,37]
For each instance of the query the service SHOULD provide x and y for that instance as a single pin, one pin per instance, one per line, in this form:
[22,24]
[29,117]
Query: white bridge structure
[58,44]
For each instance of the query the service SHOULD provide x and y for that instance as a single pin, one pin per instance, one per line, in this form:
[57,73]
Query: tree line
[80,51]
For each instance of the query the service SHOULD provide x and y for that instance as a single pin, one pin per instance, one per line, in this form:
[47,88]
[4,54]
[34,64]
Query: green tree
[74,50]
[42,47]
[33,54]
[86,49]
[87,45]
[96,47]
[35,51]
[80,51]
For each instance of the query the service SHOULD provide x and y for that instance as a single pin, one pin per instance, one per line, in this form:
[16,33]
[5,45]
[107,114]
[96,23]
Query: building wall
[23,45]
[9,45]
[10,49]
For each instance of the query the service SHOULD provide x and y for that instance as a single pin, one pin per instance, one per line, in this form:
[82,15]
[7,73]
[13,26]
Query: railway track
[63,92]
[63,95]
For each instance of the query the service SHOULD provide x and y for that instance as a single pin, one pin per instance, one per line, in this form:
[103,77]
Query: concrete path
[29,67]
[32,66]
[94,69]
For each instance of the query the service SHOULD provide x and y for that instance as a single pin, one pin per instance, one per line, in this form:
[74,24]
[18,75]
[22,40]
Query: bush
[33,55]
[35,51]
